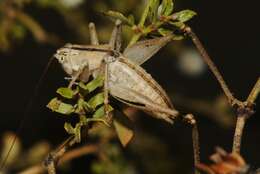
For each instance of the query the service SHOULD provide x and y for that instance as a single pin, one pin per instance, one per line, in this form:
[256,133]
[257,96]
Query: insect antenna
[26,112]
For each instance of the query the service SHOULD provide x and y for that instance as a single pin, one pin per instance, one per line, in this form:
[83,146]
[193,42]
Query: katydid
[124,78]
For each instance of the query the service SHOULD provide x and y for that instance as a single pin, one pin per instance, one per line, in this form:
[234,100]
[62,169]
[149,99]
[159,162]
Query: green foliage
[165,8]
[87,110]
[66,92]
[96,100]
[117,15]
[184,15]
[60,107]
[100,112]
[157,19]
[92,85]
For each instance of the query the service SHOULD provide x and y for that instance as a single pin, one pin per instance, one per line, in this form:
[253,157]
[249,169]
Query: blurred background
[31,31]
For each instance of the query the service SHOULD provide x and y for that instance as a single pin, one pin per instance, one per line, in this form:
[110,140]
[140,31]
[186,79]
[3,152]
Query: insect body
[124,78]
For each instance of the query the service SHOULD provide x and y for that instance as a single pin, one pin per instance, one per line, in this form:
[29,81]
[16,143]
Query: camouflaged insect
[125,80]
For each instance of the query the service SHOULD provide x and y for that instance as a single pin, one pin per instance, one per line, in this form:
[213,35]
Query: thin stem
[241,121]
[68,156]
[53,157]
[254,92]
[244,112]
[232,100]
[244,108]
[189,118]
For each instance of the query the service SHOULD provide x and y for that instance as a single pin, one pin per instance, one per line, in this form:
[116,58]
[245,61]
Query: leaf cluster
[158,19]
[86,102]
[76,102]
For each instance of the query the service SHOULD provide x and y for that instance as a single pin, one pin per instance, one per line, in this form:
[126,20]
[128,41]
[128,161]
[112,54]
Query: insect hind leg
[93,34]
[115,40]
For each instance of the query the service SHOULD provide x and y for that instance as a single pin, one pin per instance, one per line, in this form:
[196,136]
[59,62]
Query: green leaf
[123,127]
[96,100]
[165,8]
[93,84]
[131,19]
[177,24]
[74,131]
[65,108]
[54,104]
[68,127]
[118,15]
[83,120]
[77,132]
[18,31]
[153,10]
[100,112]
[177,37]
[82,107]
[184,15]
[66,92]
[60,107]
[164,32]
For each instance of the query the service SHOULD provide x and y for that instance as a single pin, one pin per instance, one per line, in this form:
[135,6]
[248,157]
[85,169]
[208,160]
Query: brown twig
[243,114]
[53,157]
[244,109]
[189,118]
[68,156]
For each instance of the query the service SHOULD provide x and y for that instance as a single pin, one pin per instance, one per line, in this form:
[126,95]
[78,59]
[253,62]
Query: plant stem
[245,112]
[189,118]
[254,92]
[241,121]
[68,156]
[244,109]
[232,100]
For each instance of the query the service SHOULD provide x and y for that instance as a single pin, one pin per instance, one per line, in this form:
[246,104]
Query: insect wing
[141,51]
[133,84]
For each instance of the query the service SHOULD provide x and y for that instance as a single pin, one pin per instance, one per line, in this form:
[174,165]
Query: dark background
[228,29]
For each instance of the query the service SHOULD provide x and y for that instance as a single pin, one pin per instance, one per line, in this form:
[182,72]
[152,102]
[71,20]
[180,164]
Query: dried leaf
[224,163]
[123,127]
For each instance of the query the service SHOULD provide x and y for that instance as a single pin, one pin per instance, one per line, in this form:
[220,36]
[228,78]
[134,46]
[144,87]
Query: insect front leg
[82,74]
[115,44]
